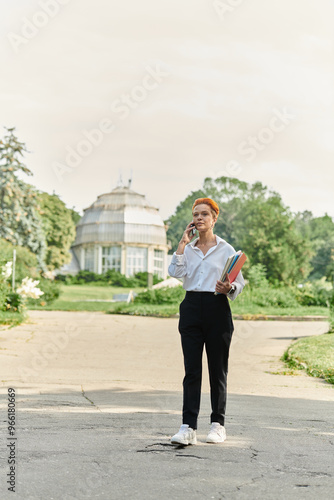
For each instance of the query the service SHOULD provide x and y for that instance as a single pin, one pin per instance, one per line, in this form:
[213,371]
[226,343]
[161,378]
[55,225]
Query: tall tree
[252,218]
[320,232]
[59,229]
[266,231]
[19,210]
[75,215]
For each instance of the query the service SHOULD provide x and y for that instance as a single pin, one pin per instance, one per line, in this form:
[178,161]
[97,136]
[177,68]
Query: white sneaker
[186,435]
[217,433]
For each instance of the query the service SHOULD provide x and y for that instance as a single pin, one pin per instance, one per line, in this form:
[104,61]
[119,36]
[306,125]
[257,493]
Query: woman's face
[203,217]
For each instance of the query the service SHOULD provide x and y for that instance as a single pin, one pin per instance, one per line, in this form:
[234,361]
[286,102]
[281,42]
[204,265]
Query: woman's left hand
[223,286]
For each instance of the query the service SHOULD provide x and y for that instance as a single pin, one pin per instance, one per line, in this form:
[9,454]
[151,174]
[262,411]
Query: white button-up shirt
[200,272]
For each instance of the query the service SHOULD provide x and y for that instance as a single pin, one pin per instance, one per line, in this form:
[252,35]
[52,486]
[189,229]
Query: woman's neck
[207,237]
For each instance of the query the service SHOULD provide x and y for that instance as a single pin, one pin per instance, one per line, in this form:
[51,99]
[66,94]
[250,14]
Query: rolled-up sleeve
[239,283]
[178,266]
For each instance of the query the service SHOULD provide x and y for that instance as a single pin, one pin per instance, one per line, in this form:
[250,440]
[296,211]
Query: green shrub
[51,291]
[142,278]
[14,302]
[3,291]
[26,261]
[161,296]
[263,293]
[331,312]
[67,279]
[257,276]
[4,285]
[116,278]
[271,296]
[110,277]
[315,293]
[84,277]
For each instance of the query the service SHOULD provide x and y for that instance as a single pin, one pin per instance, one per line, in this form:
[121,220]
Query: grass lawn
[278,311]
[313,354]
[83,292]
[172,309]
[73,298]
[67,305]
[163,311]
[11,318]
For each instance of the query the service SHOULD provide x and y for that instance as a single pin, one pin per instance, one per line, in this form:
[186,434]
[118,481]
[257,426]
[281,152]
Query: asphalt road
[98,397]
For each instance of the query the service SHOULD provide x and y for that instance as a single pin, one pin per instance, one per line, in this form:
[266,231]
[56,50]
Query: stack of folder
[233,266]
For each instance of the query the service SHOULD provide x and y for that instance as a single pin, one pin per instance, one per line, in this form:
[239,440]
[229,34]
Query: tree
[75,215]
[320,232]
[254,219]
[266,231]
[19,217]
[26,261]
[59,229]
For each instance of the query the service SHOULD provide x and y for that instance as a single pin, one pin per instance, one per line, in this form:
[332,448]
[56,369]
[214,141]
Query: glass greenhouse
[120,231]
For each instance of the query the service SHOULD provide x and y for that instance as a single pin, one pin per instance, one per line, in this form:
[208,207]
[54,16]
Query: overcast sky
[172,91]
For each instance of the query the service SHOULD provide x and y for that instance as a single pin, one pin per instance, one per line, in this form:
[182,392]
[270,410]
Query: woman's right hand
[187,235]
[186,238]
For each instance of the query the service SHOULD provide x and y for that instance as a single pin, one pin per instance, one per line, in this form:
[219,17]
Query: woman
[205,319]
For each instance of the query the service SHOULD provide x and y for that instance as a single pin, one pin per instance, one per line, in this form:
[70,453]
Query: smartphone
[193,231]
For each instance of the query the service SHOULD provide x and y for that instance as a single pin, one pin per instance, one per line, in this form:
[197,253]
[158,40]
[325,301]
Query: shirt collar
[218,240]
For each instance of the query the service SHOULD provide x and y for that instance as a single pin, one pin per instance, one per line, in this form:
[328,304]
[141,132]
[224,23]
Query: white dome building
[120,231]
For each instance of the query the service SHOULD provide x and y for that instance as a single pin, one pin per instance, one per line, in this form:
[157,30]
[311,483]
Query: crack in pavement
[163,445]
[249,483]
[166,447]
[304,472]
[254,453]
[91,402]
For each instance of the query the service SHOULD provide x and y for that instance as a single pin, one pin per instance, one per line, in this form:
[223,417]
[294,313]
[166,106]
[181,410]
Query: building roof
[121,216]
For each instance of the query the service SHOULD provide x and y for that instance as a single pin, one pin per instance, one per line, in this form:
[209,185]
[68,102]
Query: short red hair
[207,201]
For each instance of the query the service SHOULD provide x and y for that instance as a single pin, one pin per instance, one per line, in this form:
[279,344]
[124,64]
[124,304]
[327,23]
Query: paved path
[98,397]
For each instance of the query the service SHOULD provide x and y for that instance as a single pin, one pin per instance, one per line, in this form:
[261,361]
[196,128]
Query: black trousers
[205,319]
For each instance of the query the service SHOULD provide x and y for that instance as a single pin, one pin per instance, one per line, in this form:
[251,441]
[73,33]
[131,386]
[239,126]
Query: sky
[169,92]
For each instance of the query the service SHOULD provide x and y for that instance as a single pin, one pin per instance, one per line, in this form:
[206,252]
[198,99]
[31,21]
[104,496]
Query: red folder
[237,267]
